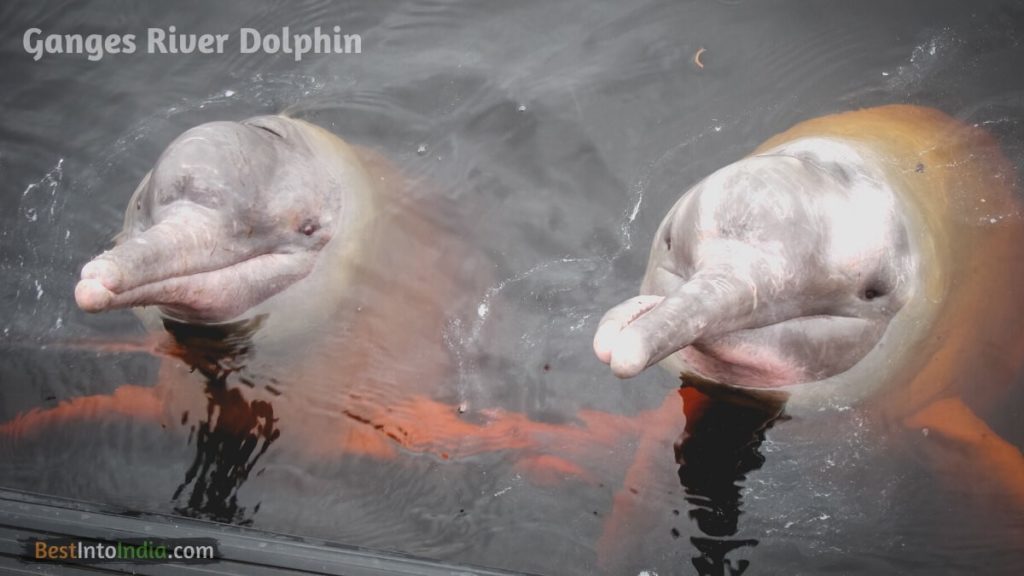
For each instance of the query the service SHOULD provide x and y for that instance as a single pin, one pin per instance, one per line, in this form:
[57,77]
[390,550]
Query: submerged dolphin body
[298,272]
[872,251]
[871,258]
[346,285]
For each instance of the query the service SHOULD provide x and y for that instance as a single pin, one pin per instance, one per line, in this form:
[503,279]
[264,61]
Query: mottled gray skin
[783,268]
[234,218]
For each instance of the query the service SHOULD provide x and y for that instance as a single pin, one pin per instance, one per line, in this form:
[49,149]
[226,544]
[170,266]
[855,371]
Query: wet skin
[830,263]
[782,268]
[276,223]
[233,214]
[276,219]
[870,258]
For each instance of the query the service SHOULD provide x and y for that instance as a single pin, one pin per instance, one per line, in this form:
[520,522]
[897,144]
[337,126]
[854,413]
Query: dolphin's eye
[309,227]
[872,291]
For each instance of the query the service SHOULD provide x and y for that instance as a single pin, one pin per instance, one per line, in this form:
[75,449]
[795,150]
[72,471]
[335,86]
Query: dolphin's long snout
[646,329]
[182,244]
[95,291]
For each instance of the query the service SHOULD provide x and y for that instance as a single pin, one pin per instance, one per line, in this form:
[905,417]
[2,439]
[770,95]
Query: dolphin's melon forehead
[214,164]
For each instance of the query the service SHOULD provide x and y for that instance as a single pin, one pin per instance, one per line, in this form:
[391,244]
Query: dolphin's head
[783,268]
[232,214]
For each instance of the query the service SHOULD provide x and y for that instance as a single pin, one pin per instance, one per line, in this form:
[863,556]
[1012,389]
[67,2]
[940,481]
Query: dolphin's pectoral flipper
[421,425]
[139,402]
[958,441]
[650,473]
[872,258]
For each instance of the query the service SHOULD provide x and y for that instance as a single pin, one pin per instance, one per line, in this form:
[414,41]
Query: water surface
[556,134]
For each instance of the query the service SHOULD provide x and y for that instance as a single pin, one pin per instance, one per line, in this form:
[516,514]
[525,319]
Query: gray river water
[560,132]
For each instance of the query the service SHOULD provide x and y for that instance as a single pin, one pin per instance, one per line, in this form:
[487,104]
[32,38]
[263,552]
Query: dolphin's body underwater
[870,259]
[871,253]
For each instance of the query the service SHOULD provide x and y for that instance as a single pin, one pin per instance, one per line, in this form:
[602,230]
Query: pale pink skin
[782,268]
[231,214]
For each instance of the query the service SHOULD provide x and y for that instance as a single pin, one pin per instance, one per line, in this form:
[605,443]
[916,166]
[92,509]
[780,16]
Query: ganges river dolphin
[311,290]
[872,258]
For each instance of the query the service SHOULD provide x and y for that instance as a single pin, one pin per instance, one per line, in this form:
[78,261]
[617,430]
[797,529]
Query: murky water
[556,134]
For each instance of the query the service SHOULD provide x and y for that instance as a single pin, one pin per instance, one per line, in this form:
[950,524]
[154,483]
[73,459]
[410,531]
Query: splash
[43,194]
[558,275]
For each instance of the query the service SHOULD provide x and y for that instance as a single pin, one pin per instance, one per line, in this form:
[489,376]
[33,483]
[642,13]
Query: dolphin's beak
[183,243]
[186,265]
[646,329]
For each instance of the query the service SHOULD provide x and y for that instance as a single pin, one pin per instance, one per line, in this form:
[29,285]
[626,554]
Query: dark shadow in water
[719,447]
[235,433]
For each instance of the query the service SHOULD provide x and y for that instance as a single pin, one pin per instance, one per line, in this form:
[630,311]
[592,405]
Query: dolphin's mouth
[205,296]
[786,353]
